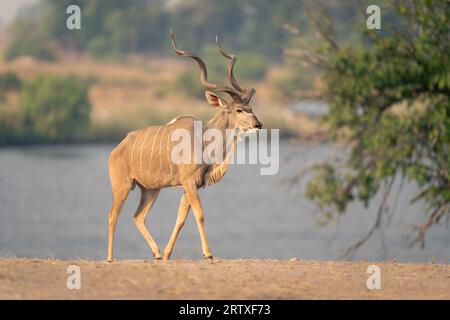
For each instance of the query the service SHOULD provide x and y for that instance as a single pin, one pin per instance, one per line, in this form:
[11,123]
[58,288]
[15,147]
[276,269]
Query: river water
[54,202]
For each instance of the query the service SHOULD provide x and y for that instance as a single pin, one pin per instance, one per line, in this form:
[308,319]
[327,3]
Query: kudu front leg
[183,211]
[194,200]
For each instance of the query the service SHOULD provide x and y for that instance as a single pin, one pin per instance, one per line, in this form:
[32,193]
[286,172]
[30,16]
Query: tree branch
[325,30]
[422,228]
[349,253]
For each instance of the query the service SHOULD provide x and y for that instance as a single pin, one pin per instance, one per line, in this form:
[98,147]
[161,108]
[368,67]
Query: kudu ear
[214,100]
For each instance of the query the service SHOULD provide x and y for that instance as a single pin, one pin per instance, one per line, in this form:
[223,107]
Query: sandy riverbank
[221,279]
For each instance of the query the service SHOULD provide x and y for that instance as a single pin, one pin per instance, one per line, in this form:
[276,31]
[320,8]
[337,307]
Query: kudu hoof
[210,257]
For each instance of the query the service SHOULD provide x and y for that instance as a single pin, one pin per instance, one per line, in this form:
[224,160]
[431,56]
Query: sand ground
[221,279]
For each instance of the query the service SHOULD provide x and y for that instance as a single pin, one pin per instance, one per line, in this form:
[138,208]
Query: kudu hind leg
[148,198]
[120,195]
[183,211]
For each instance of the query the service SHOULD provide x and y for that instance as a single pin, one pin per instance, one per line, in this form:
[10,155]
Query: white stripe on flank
[169,160]
[132,149]
[160,148]
[142,149]
[151,152]
[129,153]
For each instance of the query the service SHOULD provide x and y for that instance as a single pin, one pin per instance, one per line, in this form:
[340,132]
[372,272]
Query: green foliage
[243,25]
[115,27]
[109,28]
[55,108]
[29,39]
[390,94]
[25,47]
[99,47]
[11,131]
[9,81]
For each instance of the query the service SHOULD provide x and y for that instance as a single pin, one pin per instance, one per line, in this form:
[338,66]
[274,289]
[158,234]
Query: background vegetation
[389,96]
[52,109]
[113,31]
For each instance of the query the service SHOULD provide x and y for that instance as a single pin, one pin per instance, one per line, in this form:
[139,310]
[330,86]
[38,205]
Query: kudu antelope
[143,158]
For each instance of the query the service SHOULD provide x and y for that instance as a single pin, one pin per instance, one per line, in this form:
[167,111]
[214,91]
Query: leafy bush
[9,81]
[29,39]
[364,90]
[55,108]
[10,127]
[110,28]
[29,48]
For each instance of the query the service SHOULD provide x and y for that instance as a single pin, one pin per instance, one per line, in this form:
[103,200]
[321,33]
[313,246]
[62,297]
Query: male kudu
[143,158]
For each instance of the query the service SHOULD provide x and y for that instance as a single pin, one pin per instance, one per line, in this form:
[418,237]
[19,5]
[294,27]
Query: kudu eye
[239,110]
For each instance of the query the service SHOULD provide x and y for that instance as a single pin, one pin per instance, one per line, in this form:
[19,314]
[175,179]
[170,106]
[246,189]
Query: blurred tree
[28,38]
[198,21]
[9,81]
[55,108]
[114,27]
[109,27]
[389,96]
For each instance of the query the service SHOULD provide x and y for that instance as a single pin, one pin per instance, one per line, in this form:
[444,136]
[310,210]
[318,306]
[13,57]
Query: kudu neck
[222,122]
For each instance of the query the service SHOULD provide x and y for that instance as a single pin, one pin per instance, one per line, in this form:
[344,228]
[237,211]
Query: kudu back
[144,159]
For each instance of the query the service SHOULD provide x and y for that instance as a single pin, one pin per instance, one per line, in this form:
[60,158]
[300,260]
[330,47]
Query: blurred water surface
[54,202]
